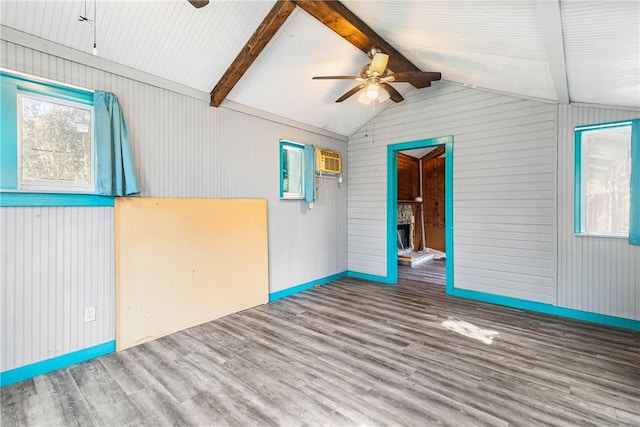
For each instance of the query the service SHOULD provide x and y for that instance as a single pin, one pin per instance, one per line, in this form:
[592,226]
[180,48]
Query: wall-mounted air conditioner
[328,161]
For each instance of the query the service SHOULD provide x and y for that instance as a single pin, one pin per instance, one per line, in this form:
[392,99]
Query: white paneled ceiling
[170,39]
[280,80]
[602,47]
[496,45]
[557,50]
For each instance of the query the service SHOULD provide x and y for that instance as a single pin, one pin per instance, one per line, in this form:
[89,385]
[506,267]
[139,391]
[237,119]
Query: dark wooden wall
[408,177]
[433,189]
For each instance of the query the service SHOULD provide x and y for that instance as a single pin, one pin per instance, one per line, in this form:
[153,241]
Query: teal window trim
[10,194]
[8,135]
[34,85]
[285,143]
[578,199]
[15,199]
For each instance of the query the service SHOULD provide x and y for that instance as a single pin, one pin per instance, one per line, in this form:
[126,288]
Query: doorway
[421,215]
[407,226]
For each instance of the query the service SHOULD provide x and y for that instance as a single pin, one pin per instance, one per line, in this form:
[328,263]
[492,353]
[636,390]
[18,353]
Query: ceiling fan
[375,78]
[199,3]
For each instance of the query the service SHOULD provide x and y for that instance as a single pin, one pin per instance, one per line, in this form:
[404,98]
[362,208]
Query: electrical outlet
[90,314]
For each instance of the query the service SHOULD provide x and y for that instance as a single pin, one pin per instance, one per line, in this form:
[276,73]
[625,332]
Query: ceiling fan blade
[351,92]
[336,78]
[393,93]
[379,63]
[199,3]
[418,79]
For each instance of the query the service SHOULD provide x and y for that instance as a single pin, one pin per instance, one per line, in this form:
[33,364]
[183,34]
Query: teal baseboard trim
[45,199]
[372,277]
[33,370]
[570,313]
[303,287]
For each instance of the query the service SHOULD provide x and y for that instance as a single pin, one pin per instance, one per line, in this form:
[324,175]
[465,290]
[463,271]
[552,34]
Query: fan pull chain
[373,124]
[95,25]
[92,22]
[366,123]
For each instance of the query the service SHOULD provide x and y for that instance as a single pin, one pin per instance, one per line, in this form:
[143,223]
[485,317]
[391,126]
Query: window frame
[54,186]
[10,194]
[579,179]
[286,195]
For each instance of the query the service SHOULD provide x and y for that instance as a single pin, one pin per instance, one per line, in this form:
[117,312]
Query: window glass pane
[55,141]
[292,178]
[606,165]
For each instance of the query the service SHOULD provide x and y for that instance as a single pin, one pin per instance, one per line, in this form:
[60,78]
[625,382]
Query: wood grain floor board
[352,353]
[432,272]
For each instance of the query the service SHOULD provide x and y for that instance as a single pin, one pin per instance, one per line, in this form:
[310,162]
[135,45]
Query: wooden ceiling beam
[332,14]
[341,20]
[258,41]
[435,153]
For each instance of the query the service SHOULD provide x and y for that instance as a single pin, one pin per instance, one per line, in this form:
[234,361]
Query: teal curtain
[116,174]
[309,174]
[634,213]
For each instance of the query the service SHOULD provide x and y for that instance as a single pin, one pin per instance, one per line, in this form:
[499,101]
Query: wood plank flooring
[351,353]
[432,272]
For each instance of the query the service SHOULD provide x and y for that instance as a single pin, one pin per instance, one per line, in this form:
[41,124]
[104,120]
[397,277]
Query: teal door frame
[392,203]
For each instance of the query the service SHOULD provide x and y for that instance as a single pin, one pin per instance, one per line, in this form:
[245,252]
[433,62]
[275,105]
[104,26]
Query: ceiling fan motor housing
[372,52]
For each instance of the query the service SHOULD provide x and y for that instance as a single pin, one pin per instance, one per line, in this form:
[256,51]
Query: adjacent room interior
[296,212]
[421,215]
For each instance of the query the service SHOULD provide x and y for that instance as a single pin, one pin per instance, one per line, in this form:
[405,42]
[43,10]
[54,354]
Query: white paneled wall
[55,262]
[595,274]
[513,199]
[183,148]
[504,187]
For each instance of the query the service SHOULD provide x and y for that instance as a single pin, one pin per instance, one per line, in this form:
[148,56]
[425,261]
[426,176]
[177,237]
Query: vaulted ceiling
[554,50]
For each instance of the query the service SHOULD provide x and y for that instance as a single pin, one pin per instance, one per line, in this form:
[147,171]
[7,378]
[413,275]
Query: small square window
[55,145]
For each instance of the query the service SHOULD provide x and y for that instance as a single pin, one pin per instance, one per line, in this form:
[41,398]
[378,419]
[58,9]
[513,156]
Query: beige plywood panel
[183,262]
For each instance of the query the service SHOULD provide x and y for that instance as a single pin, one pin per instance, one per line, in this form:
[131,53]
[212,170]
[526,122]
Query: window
[55,144]
[47,136]
[292,184]
[602,179]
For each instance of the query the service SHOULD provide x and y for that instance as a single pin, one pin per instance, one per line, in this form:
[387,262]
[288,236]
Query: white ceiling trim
[32,42]
[242,108]
[500,92]
[386,105]
[604,106]
[551,26]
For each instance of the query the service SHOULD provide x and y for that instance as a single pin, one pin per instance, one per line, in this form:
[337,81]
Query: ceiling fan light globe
[372,92]
[384,95]
[364,99]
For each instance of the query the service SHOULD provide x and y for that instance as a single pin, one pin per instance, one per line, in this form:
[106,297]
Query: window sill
[15,199]
[601,235]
